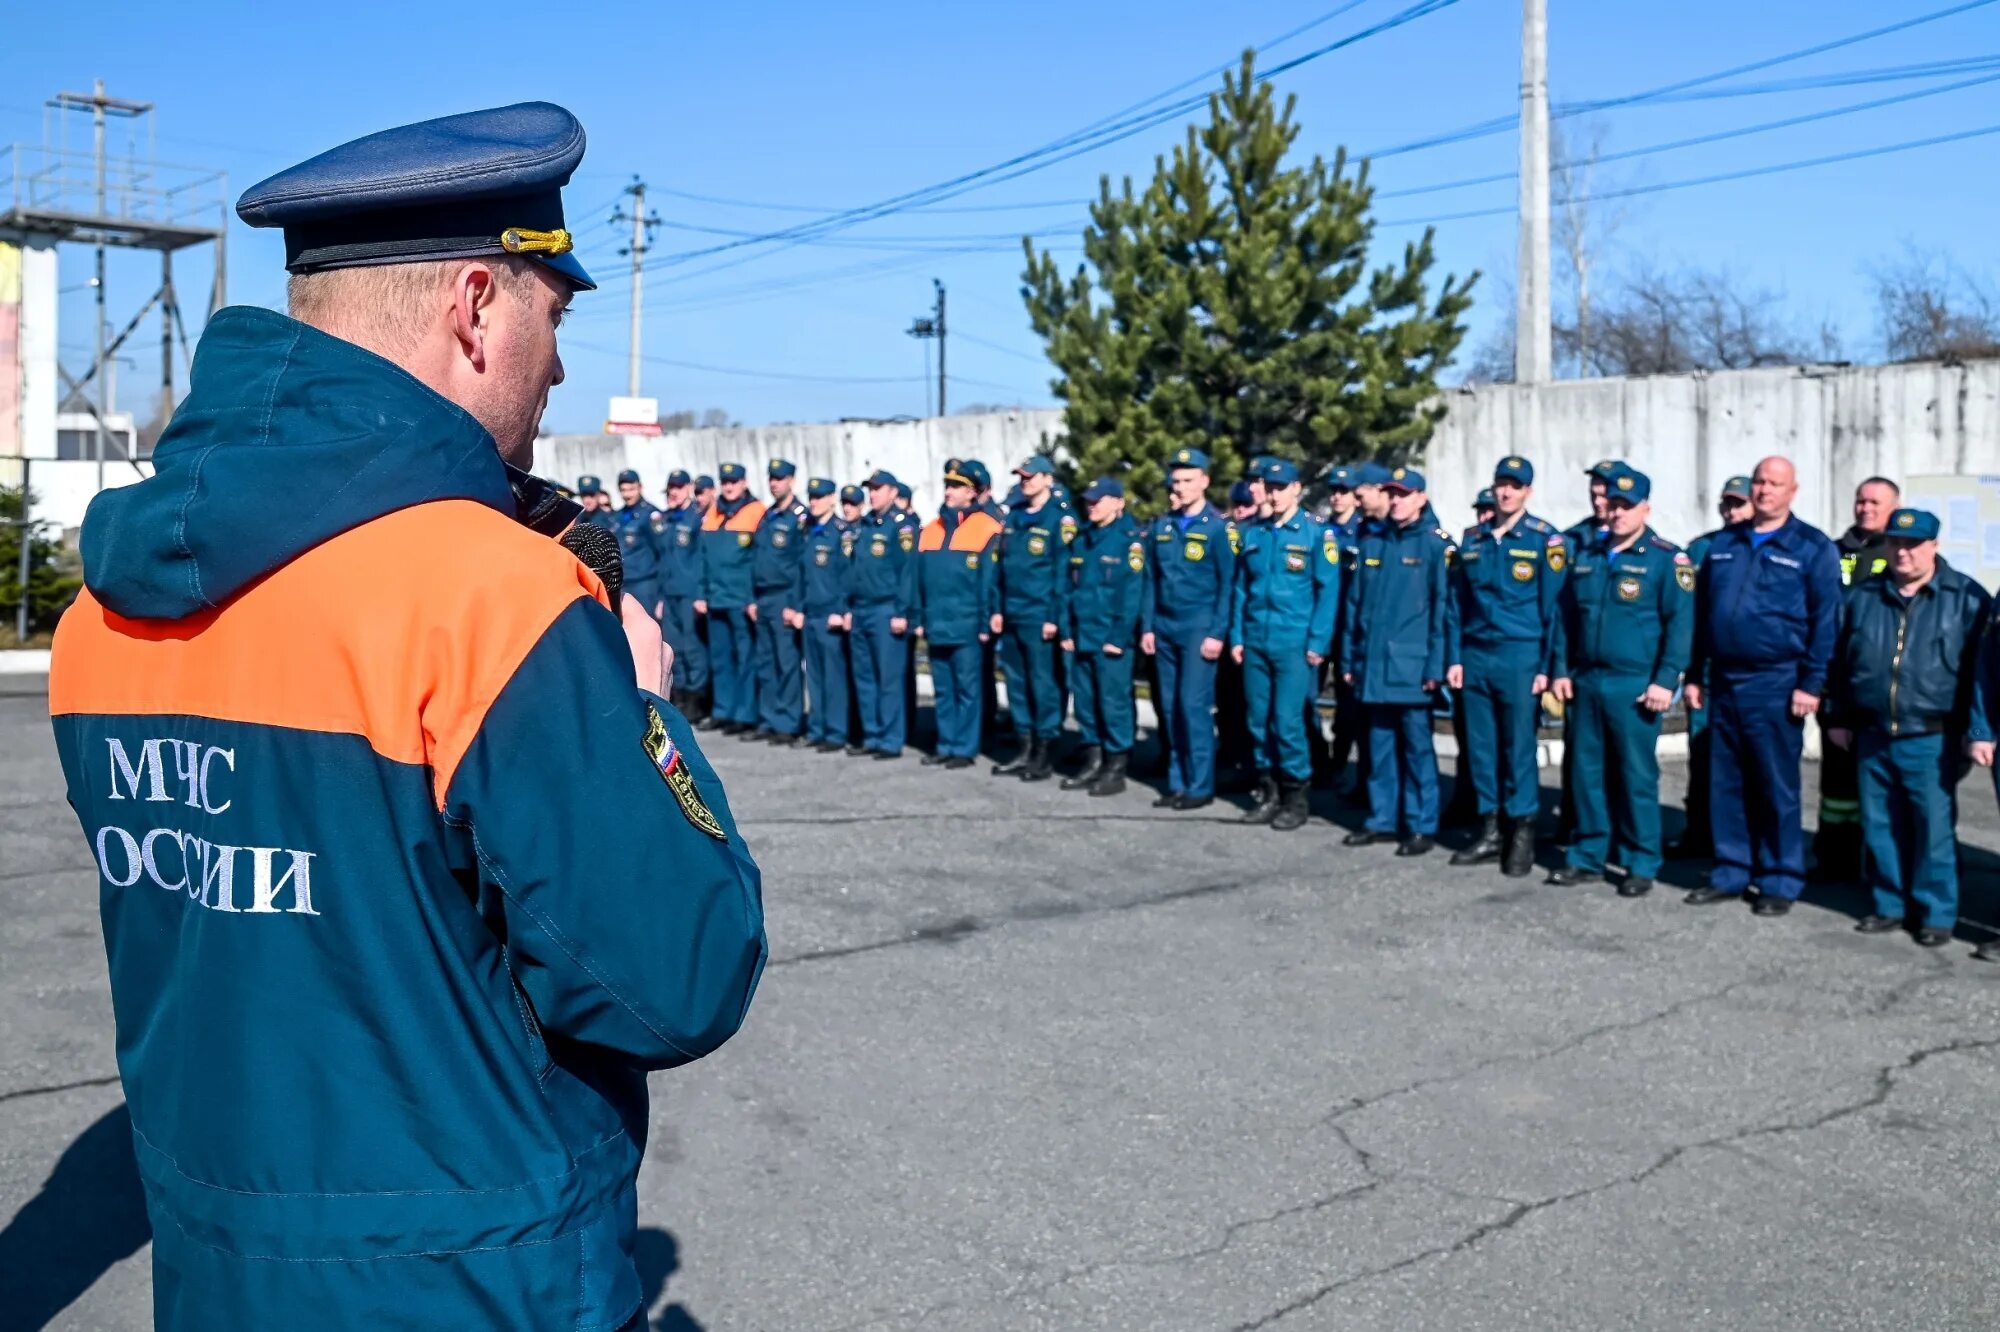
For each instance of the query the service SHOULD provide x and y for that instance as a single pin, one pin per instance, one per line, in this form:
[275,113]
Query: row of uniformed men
[1607,617]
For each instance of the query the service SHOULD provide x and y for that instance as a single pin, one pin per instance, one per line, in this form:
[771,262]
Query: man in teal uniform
[1103,608]
[953,603]
[1034,545]
[677,531]
[1621,652]
[1192,552]
[829,547]
[882,590]
[1281,629]
[777,578]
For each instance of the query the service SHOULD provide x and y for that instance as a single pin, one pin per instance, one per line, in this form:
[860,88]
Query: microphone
[540,507]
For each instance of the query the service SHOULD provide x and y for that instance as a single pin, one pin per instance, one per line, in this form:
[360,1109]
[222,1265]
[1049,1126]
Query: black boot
[1111,778]
[1020,760]
[1041,760]
[1093,763]
[1266,807]
[1486,848]
[1291,805]
[1519,861]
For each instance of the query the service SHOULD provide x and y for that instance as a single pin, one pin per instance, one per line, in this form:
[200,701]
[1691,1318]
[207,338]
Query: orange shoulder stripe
[932,537]
[746,518]
[975,530]
[401,631]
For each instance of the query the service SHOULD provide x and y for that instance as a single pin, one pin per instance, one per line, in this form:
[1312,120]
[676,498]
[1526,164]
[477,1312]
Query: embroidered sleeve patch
[673,768]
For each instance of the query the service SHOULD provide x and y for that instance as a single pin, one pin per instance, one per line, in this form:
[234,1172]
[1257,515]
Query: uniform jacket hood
[288,437]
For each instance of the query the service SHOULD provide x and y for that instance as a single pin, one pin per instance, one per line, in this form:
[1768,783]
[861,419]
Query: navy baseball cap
[1277,472]
[819,486]
[589,485]
[1737,487]
[459,187]
[1240,493]
[1406,478]
[1371,474]
[1340,478]
[1913,525]
[852,494]
[1626,486]
[1603,471]
[1036,466]
[628,475]
[780,468]
[977,471]
[958,473]
[883,477]
[1104,487]
[1485,499]
[732,472]
[1513,468]
[677,477]
[1188,459]
[704,482]
[903,490]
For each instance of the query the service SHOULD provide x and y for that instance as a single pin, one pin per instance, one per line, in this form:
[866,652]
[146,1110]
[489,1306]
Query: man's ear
[473,295]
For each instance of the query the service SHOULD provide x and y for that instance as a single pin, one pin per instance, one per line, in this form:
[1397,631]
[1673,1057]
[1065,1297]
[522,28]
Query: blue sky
[838,105]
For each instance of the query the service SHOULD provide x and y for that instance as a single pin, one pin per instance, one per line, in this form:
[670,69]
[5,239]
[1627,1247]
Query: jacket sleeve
[652,949]
[1969,717]
[1676,631]
[1345,638]
[1823,599]
[989,582]
[1155,570]
[1326,594]
[795,587]
[1443,638]
[1224,556]
[1838,710]
[702,590]
[1554,570]
[1239,594]
[1059,581]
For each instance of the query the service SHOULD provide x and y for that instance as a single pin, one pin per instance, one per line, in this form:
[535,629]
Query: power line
[751,374]
[990,345]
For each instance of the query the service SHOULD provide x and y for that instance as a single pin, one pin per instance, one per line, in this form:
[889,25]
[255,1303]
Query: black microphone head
[597,548]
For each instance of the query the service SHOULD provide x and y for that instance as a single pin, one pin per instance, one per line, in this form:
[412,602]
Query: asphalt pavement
[1027,1059]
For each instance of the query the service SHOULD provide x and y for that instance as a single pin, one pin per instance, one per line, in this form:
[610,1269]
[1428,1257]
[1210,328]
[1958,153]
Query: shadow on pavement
[658,1255]
[90,1215]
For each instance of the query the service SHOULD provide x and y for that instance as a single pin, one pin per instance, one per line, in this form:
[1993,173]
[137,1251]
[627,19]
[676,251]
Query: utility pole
[1533,353]
[103,377]
[932,326]
[942,409]
[642,231]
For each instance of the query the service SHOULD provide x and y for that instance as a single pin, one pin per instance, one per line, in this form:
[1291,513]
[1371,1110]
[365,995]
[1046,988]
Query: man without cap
[777,578]
[1618,653]
[727,535]
[1505,582]
[677,530]
[1032,581]
[1193,567]
[955,566]
[1865,549]
[1399,637]
[827,560]
[638,542]
[1103,607]
[882,589]
[384,1037]
[1899,698]
[1770,608]
[1280,630]
[1694,841]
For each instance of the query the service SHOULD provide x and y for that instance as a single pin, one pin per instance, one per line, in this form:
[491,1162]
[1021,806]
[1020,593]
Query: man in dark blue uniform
[1280,630]
[1232,710]
[704,493]
[881,589]
[1770,607]
[829,547]
[1900,699]
[1509,570]
[1619,653]
[1103,607]
[638,543]
[596,504]
[1694,841]
[1399,637]
[1349,735]
[1034,556]
[677,533]
[777,577]
[728,533]
[1193,567]
[955,565]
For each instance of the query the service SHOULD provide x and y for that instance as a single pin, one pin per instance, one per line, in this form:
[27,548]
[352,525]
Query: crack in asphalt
[964,927]
[1883,1087]
[50,1089]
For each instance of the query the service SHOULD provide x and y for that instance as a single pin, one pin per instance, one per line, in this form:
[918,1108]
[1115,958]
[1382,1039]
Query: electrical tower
[933,326]
[643,224]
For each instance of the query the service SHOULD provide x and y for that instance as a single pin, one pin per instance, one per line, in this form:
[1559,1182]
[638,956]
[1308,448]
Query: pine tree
[51,587]
[1230,307]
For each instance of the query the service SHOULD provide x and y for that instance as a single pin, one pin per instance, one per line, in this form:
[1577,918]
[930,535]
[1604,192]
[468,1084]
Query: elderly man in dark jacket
[1899,697]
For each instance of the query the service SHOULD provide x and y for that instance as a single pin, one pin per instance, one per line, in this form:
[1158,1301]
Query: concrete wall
[1690,433]
[846,451]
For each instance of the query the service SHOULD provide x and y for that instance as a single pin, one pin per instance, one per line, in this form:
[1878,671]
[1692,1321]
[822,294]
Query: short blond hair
[389,306]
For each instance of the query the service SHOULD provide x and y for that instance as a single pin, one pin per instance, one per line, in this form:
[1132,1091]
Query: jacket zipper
[1896,670]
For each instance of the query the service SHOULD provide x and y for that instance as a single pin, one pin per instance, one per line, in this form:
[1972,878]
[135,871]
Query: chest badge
[1295,561]
[1628,588]
[673,769]
[1194,550]
[1524,570]
[1684,575]
[1038,544]
[1136,557]
[972,561]
[878,546]
[907,539]
[779,540]
[821,556]
[743,540]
